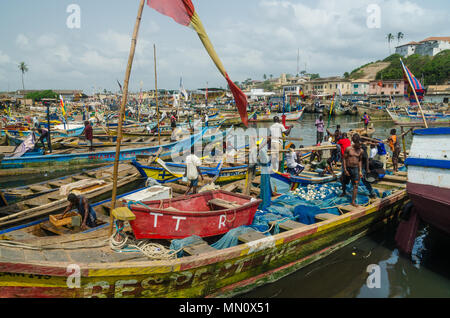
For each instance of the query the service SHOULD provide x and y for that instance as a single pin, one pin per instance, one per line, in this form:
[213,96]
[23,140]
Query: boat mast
[122,110]
[156,92]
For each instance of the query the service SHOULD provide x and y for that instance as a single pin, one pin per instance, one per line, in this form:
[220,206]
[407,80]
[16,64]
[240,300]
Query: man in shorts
[352,161]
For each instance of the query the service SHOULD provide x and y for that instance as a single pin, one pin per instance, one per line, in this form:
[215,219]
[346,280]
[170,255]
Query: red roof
[437,38]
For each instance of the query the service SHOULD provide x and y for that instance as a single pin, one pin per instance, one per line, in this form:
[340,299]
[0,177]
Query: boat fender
[406,211]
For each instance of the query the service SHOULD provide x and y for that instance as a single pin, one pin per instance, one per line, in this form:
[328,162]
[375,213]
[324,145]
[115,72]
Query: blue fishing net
[177,245]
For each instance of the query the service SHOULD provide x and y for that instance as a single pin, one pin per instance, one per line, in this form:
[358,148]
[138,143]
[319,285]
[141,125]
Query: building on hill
[387,88]
[430,46]
[360,87]
[328,86]
[437,94]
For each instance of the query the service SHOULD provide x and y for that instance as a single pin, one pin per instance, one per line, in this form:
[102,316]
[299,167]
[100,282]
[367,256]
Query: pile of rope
[152,250]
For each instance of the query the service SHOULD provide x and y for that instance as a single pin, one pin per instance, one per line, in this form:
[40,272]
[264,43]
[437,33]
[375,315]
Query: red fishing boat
[205,214]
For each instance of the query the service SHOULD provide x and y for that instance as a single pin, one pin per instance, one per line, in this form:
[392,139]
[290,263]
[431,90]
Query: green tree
[23,68]
[37,96]
[390,38]
[400,36]
[265,76]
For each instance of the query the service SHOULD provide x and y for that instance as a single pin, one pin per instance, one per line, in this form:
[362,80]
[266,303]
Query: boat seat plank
[347,208]
[198,249]
[251,235]
[391,184]
[223,204]
[325,216]
[123,214]
[288,224]
[58,255]
[81,177]
[39,188]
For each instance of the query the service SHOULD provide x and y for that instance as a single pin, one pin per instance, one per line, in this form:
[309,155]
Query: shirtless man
[352,167]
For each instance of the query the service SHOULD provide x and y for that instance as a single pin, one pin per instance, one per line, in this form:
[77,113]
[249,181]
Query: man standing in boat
[43,132]
[352,167]
[88,133]
[89,217]
[193,171]
[276,133]
[366,120]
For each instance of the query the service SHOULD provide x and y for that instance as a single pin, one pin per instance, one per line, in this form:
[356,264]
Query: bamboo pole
[417,99]
[156,92]
[122,110]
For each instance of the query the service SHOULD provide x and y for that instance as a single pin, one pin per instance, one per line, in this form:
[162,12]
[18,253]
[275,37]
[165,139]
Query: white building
[360,87]
[256,94]
[430,46]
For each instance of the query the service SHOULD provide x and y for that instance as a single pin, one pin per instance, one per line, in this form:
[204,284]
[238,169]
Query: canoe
[54,133]
[256,260]
[293,116]
[172,172]
[13,195]
[305,178]
[205,214]
[416,120]
[75,158]
[92,188]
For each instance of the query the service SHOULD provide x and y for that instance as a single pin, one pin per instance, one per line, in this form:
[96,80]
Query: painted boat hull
[155,221]
[429,176]
[222,273]
[75,159]
[54,133]
[416,120]
[303,179]
[269,118]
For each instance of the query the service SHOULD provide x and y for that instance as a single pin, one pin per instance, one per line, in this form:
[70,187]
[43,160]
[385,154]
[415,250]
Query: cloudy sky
[252,37]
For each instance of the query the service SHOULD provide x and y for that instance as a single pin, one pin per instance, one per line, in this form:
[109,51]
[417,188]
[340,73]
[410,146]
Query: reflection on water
[344,273]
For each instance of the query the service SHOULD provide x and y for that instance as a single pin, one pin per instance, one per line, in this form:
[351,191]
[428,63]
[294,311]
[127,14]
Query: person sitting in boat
[293,167]
[81,203]
[352,164]
[193,171]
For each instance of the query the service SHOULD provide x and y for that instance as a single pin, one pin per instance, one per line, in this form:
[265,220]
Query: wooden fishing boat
[74,132]
[99,183]
[205,214]
[428,184]
[13,195]
[373,111]
[416,119]
[167,172]
[75,157]
[292,116]
[305,178]
[206,272]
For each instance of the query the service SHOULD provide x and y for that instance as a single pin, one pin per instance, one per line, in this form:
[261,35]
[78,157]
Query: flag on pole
[183,12]
[63,107]
[182,90]
[410,78]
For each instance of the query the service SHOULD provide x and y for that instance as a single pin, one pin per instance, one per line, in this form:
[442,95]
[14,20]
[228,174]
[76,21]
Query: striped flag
[410,78]
[182,90]
[63,107]
[183,12]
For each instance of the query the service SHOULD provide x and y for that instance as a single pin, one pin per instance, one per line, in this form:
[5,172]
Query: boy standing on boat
[366,119]
[352,167]
[395,148]
[88,133]
[193,171]
[320,126]
[89,217]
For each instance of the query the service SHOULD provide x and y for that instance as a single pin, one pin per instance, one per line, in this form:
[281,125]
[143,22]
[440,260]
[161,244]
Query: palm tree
[400,36]
[390,38]
[23,68]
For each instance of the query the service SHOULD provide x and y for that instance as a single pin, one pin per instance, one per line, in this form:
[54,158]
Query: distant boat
[291,116]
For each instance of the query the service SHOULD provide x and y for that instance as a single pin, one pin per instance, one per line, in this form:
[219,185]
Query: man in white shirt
[276,133]
[193,171]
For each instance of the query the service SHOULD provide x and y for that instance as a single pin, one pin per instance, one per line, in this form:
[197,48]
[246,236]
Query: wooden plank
[198,249]
[288,224]
[347,208]
[39,188]
[223,204]
[391,184]
[325,216]
[395,178]
[250,236]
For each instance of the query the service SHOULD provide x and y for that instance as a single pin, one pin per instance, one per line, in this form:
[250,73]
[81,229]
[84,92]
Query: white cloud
[22,41]
[4,58]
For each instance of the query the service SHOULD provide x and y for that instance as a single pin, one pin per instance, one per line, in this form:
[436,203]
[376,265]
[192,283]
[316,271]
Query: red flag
[183,12]
[380,83]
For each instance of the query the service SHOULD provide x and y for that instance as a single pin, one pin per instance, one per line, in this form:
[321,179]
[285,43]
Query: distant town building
[258,94]
[430,46]
[437,94]
[329,86]
[387,88]
[360,87]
